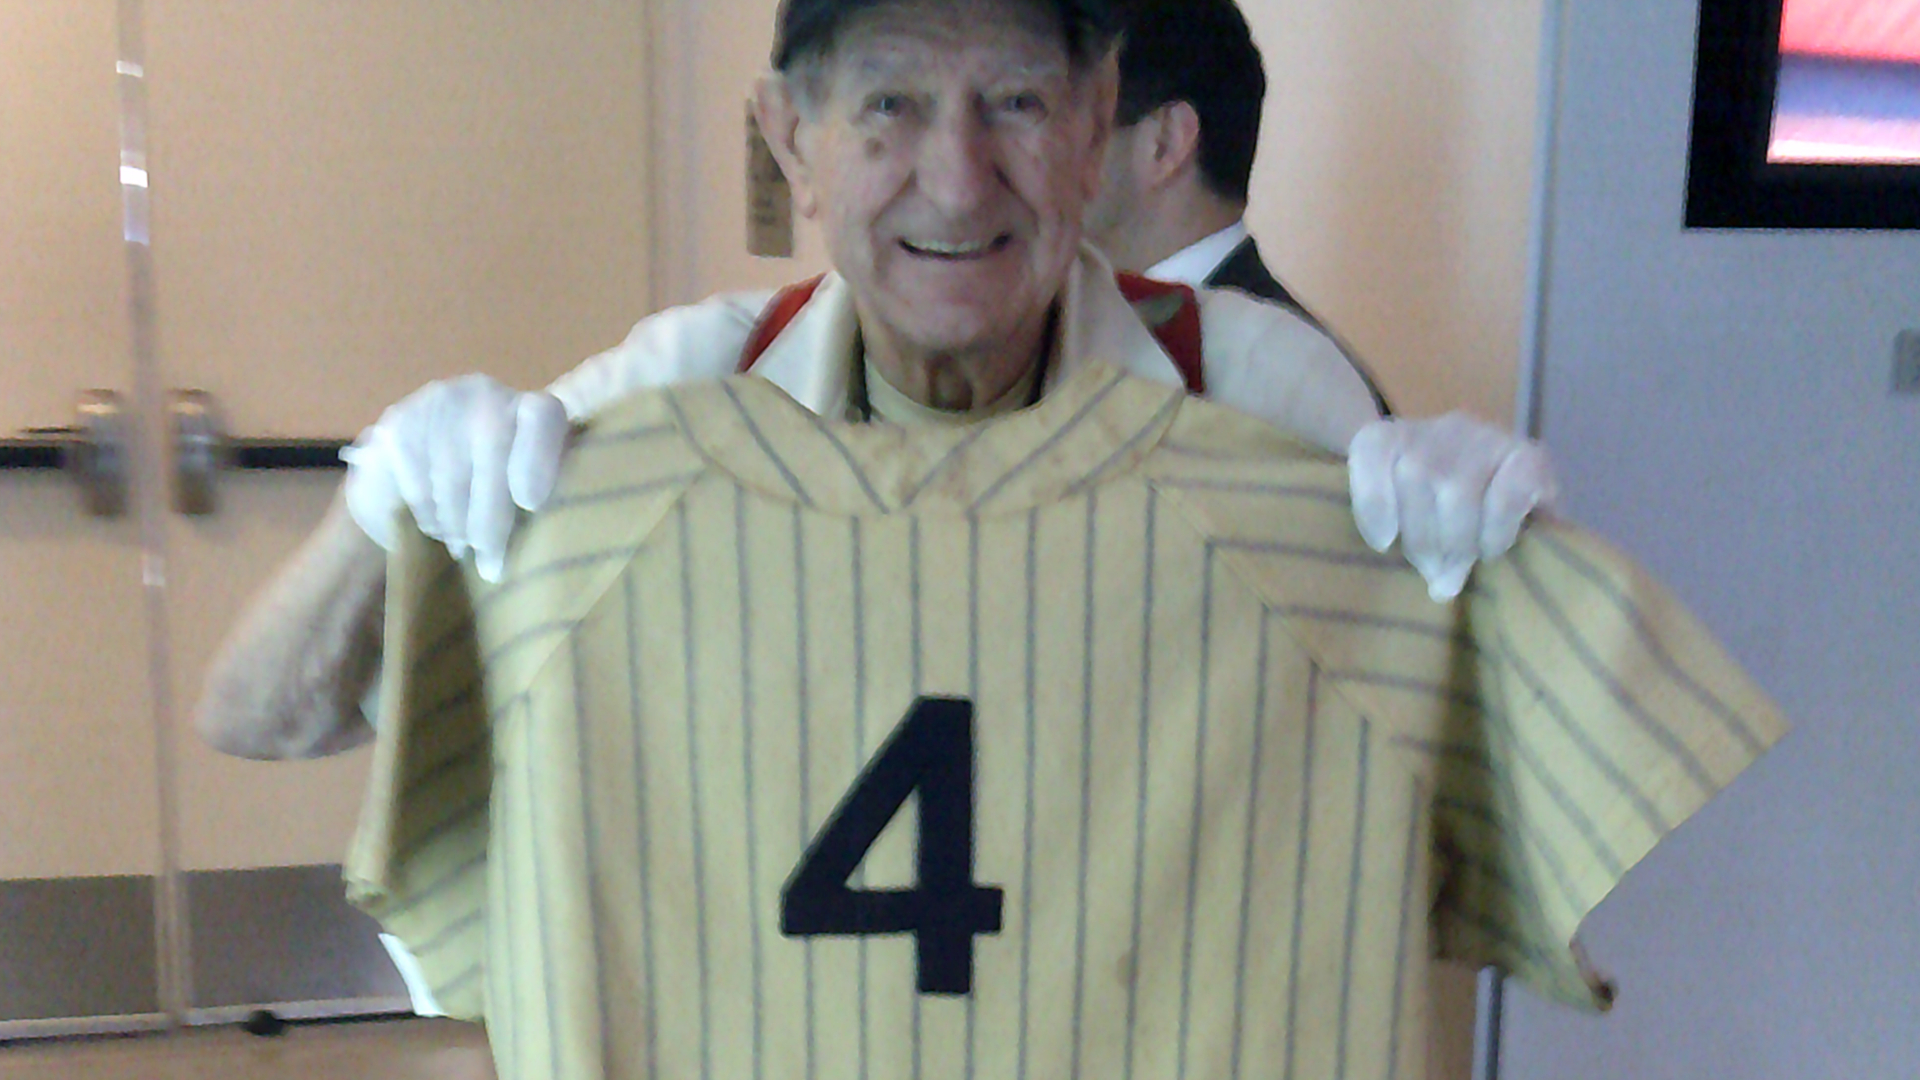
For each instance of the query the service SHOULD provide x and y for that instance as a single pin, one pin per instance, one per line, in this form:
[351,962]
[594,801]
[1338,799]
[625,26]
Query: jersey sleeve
[417,862]
[1562,717]
[1608,716]
[682,344]
[458,651]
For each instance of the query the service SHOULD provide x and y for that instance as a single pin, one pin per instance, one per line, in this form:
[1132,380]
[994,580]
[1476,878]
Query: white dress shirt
[1195,263]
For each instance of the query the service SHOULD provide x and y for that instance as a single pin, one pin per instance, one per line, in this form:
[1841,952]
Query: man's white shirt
[1195,263]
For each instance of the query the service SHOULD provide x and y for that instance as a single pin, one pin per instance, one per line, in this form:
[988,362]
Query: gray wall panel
[77,947]
[1719,404]
[285,934]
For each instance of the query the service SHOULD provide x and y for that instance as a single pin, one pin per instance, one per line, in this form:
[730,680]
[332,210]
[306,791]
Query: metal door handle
[92,451]
[202,449]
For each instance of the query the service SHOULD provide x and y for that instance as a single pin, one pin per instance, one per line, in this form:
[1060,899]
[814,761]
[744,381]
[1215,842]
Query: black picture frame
[1730,182]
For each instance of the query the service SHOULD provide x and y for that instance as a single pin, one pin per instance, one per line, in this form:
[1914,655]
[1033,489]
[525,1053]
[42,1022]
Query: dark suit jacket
[1244,270]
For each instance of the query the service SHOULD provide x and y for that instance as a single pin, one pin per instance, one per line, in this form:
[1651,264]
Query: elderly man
[1179,167]
[949,152]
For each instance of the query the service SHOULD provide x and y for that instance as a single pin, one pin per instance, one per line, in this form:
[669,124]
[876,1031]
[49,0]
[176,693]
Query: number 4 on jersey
[930,753]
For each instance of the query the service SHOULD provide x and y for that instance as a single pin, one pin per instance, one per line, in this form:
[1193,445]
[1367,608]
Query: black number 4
[932,753]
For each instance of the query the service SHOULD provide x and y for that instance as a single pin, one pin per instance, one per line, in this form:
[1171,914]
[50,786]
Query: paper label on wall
[769,199]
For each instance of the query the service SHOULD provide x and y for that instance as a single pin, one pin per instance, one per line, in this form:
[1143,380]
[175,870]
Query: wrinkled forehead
[993,38]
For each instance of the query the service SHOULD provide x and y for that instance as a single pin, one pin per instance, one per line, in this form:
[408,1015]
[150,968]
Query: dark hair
[805,28]
[1199,52]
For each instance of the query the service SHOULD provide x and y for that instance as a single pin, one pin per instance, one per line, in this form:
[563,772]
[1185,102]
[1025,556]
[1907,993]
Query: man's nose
[959,167]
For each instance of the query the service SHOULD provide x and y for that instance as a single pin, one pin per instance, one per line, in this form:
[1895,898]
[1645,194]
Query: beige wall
[1394,183]
[706,57]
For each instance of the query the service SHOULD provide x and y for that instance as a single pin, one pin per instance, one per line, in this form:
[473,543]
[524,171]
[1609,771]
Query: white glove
[1452,489]
[460,455]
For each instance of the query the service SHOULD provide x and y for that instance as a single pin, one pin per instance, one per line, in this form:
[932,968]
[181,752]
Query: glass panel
[77,757]
[351,197]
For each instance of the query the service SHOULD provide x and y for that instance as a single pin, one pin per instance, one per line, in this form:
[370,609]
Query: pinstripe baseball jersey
[1091,741]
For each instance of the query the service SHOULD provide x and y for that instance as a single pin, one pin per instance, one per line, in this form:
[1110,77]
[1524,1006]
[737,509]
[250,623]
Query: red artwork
[1886,30]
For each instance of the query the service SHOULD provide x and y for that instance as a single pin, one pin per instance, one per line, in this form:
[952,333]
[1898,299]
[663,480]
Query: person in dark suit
[1174,192]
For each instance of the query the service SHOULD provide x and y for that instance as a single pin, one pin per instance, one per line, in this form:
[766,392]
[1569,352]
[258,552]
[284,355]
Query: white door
[347,198]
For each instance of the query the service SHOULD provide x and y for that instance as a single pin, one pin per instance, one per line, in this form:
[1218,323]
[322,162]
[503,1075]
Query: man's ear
[777,110]
[1175,142]
[1102,87]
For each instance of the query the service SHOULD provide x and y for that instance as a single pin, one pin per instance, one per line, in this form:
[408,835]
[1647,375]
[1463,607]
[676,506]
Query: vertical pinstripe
[1253,818]
[973,694]
[1406,916]
[541,882]
[746,750]
[585,787]
[1300,869]
[512,981]
[1140,805]
[802,632]
[645,862]
[860,751]
[919,682]
[500,973]
[1353,899]
[1026,848]
[516,860]
[1205,676]
[1086,788]
[698,814]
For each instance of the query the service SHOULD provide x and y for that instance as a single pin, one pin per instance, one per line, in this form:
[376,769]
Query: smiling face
[948,151]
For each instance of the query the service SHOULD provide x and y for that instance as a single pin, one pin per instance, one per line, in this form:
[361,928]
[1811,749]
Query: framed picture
[1806,115]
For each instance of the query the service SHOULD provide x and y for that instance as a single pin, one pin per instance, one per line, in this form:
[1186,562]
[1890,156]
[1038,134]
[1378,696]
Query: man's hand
[1453,490]
[460,455]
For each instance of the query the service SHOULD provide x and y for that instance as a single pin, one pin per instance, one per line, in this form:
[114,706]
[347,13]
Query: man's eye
[1024,104]
[888,105]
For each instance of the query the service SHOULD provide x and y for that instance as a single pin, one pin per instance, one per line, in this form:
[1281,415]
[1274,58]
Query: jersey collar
[813,359]
[1095,425]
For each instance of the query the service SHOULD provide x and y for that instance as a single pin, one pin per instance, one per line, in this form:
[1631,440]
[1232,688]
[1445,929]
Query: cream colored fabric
[1236,778]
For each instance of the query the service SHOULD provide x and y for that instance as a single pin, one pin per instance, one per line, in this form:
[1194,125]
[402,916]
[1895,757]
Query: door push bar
[93,452]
